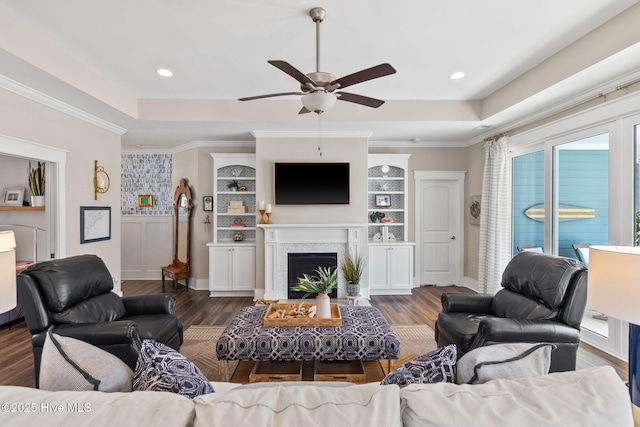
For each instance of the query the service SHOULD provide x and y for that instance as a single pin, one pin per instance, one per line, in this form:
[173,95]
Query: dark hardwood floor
[197,308]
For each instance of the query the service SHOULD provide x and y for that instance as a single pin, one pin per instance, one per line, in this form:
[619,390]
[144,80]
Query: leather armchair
[543,300]
[74,296]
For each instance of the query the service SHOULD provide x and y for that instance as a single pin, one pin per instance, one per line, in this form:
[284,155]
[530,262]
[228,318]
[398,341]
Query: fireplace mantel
[280,239]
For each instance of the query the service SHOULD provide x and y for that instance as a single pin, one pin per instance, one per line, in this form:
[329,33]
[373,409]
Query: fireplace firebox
[308,262]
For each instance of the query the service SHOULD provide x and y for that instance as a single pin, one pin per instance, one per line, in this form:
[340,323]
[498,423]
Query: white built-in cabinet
[390,253]
[232,263]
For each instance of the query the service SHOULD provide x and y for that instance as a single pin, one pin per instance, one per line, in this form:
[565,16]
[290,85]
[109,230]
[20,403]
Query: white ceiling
[518,56]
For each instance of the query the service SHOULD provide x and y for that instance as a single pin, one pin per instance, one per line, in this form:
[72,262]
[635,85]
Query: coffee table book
[334,320]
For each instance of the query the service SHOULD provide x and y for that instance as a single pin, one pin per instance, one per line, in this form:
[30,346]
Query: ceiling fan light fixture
[319,101]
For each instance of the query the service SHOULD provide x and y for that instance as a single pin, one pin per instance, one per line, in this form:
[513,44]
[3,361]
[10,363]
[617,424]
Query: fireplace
[282,239]
[306,263]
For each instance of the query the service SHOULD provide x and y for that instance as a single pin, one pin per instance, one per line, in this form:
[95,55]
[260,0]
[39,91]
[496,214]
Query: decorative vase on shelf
[353,289]
[323,306]
[37,200]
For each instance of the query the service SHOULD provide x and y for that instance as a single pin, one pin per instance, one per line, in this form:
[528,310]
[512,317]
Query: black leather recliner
[74,296]
[542,300]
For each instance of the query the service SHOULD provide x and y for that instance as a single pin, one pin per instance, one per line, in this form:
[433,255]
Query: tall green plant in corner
[36,179]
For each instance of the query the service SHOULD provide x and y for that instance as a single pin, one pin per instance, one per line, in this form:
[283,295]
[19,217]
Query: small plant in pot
[233,185]
[36,183]
[323,283]
[376,216]
[352,268]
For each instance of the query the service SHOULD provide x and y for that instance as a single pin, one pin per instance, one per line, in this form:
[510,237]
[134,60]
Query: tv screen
[311,183]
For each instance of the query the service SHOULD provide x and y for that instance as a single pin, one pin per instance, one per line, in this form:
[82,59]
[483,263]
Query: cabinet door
[220,265]
[244,267]
[378,267]
[401,267]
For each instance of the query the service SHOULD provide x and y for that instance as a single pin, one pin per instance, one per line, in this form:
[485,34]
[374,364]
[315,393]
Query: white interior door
[439,227]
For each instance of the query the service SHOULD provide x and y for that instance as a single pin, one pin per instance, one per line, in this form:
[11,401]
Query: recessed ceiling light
[456,75]
[164,72]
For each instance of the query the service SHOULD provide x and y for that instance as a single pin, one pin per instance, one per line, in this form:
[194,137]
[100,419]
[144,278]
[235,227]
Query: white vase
[37,200]
[323,306]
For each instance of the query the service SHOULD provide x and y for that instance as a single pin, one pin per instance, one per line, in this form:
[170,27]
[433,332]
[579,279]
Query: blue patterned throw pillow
[161,368]
[434,367]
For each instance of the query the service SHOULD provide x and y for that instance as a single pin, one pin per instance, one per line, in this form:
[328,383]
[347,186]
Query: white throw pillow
[71,364]
[510,361]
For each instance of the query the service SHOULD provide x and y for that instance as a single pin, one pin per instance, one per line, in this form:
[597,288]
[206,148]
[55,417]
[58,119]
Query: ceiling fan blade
[271,95]
[364,75]
[293,72]
[359,99]
[304,110]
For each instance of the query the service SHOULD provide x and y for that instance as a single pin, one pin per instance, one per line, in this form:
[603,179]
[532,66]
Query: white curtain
[495,215]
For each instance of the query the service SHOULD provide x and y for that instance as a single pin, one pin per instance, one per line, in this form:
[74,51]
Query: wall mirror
[182,204]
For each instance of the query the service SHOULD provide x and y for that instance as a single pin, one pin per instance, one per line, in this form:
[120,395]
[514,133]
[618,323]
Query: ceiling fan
[320,90]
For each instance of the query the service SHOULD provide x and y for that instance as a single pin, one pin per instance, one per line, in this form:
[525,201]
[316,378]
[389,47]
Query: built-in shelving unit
[391,260]
[232,262]
[389,181]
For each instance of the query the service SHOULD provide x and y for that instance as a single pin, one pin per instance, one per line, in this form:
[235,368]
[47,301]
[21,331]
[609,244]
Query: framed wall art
[13,197]
[383,200]
[474,210]
[207,203]
[95,223]
[145,200]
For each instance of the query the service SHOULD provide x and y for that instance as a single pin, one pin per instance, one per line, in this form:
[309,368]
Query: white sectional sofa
[591,397]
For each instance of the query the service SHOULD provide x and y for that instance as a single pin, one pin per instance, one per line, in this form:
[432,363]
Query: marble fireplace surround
[282,239]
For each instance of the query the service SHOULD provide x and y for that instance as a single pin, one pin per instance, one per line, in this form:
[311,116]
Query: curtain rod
[615,93]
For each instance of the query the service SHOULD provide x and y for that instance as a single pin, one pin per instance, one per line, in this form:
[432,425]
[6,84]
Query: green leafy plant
[36,179]
[352,268]
[233,184]
[323,283]
[376,216]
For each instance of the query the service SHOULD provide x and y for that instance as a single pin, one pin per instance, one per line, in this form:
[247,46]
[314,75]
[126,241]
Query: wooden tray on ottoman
[334,320]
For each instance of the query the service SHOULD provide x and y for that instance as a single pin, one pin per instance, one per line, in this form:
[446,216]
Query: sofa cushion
[594,397]
[94,408]
[71,364]
[509,361]
[363,404]
[436,366]
[161,368]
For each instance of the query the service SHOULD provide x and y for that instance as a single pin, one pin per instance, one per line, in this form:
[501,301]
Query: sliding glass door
[580,213]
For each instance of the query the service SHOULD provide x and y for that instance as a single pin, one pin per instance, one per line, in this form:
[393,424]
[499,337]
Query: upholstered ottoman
[364,335]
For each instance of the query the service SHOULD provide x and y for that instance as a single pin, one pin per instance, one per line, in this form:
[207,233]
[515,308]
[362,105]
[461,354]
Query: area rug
[200,347]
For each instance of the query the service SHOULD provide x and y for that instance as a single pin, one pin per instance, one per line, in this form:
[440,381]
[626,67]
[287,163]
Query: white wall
[30,121]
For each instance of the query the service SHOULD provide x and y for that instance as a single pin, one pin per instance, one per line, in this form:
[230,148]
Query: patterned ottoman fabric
[364,335]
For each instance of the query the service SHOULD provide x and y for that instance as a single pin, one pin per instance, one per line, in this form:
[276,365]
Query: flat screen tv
[311,183]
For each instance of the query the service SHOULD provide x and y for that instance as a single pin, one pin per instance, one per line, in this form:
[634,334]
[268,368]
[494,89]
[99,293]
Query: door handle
[453,237]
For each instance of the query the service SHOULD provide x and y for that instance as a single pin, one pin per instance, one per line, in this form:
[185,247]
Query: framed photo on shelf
[383,201]
[13,197]
[145,200]
[207,203]
[95,224]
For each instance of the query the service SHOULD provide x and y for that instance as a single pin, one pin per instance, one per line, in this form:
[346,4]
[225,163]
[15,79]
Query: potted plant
[376,216]
[36,184]
[325,281]
[233,185]
[352,268]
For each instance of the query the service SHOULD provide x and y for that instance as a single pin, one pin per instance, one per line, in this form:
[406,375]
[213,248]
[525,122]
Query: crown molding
[41,98]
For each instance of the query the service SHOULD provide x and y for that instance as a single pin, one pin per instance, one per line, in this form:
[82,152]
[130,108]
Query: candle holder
[261,216]
[269,218]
